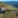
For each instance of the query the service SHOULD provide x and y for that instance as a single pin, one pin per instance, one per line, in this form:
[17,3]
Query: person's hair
[2,6]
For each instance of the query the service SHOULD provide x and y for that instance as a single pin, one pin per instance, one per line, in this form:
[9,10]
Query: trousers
[2,12]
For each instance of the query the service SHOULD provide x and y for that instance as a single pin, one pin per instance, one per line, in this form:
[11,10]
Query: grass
[8,14]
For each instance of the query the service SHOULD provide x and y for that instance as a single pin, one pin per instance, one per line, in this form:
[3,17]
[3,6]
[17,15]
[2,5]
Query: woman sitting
[3,9]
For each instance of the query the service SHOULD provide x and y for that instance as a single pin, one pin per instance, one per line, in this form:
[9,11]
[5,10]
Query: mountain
[14,3]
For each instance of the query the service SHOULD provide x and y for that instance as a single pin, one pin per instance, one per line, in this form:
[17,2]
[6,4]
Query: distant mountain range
[14,3]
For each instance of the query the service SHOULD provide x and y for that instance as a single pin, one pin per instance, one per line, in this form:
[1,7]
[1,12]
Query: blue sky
[8,0]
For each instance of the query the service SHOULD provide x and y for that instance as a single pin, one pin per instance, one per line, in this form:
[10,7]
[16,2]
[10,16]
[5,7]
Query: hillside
[7,13]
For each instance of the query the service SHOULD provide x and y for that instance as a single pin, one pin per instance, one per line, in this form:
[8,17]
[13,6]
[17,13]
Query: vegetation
[7,13]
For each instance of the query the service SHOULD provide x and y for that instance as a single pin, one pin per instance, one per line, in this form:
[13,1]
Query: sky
[8,0]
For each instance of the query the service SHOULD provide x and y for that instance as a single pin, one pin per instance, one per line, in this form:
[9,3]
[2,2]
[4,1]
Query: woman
[3,9]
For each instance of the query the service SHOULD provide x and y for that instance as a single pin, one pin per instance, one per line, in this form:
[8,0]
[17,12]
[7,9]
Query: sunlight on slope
[10,7]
